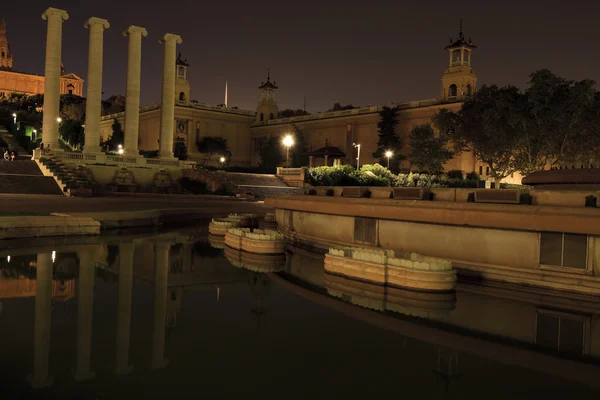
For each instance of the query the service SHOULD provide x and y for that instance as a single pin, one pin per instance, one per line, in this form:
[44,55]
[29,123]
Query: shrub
[455,174]
[329,192]
[473,176]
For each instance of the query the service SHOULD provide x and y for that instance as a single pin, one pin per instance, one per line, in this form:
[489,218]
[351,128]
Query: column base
[124,370]
[39,384]
[84,376]
[160,364]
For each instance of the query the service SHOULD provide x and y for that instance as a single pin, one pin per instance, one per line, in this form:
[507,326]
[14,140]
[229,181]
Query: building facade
[245,130]
[12,81]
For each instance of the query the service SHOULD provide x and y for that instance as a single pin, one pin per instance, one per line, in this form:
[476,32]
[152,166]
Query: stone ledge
[41,226]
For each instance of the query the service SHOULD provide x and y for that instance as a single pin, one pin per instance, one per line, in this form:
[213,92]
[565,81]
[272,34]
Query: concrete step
[25,184]
[19,167]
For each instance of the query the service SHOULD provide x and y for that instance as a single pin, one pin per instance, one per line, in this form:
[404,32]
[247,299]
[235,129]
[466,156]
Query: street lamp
[288,142]
[222,160]
[357,145]
[388,154]
[34,134]
[58,119]
[15,118]
[120,149]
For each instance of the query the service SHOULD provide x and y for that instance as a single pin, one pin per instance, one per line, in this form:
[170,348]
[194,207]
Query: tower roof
[461,41]
[268,84]
[182,61]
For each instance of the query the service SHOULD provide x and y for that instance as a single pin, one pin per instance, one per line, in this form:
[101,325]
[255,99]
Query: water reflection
[274,309]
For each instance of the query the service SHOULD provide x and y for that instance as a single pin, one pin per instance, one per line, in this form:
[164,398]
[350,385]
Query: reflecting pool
[177,314]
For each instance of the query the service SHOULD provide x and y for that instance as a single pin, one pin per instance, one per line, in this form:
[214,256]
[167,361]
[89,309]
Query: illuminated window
[563,250]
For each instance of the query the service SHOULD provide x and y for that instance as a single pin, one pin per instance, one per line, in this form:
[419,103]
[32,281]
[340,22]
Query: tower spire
[268,74]
[460,33]
[225,94]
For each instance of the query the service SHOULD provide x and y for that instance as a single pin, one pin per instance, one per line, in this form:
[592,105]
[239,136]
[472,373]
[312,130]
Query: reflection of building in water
[260,287]
[447,366]
[17,278]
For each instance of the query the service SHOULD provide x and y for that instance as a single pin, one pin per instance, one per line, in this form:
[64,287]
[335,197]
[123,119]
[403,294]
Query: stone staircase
[260,185]
[74,180]
[25,177]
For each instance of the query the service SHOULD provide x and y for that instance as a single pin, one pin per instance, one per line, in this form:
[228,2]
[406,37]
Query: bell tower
[182,86]
[6,60]
[459,80]
[267,106]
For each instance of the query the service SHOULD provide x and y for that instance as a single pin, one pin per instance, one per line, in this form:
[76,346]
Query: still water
[175,314]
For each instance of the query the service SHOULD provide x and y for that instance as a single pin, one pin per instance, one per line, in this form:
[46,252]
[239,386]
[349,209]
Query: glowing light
[58,119]
[288,141]
[388,154]
[8,258]
[222,159]
[120,151]
[53,255]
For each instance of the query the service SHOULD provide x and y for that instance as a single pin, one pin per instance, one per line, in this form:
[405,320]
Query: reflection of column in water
[43,309]
[447,366]
[161,268]
[260,286]
[85,315]
[124,307]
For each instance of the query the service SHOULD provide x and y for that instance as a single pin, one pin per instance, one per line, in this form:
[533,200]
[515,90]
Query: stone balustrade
[118,160]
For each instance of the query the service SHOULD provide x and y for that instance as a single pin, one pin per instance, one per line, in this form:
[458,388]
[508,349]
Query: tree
[270,153]
[117,137]
[114,104]
[72,132]
[180,149]
[488,125]
[213,145]
[298,151]
[561,123]
[288,113]
[429,152]
[340,107]
[73,111]
[388,140]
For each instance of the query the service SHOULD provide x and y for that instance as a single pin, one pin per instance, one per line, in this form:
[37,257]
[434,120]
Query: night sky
[357,52]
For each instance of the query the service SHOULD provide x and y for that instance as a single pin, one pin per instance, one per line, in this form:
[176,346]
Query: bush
[149,154]
[473,176]
[455,174]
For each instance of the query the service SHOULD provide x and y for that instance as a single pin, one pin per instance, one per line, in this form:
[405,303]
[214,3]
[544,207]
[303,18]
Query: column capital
[170,37]
[55,12]
[135,29]
[96,21]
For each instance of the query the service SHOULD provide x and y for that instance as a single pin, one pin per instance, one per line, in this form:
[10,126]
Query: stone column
[132,95]
[167,105]
[124,308]
[161,267]
[85,315]
[55,18]
[43,310]
[93,103]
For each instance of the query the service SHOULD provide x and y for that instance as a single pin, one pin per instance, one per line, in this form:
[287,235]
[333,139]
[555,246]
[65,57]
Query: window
[480,170]
[262,117]
[487,170]
[271,116]
[181,72]
[181,96]
[563,250]
[70,91]
[3,54]
[561,332]
[467,57]
[469,89]
[452,90]
[455,57]
[365,230]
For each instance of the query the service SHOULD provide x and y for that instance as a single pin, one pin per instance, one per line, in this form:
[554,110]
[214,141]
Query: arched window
[70,87]
[181,96]
[452,90]
[271,116]
[3,54]
[262,117]
[469,89]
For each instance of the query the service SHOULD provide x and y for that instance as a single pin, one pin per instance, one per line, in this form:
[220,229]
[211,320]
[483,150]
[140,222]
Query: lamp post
[222,160]
[288,142]
[357,145]
[388,154]
[15,118]
[120,150]
[58,119]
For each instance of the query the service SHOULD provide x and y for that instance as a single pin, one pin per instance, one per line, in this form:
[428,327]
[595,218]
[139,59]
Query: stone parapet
[41,226]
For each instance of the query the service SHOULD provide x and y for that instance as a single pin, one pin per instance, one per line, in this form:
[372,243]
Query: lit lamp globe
[288,141]
[222,160]
[58,119]
[388,154]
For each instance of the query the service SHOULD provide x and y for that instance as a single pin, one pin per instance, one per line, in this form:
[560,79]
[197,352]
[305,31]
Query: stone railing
[354,111]
[149,107]
[102,158]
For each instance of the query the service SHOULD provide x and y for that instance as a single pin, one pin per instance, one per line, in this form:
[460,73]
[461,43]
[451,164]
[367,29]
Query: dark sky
[358,52]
